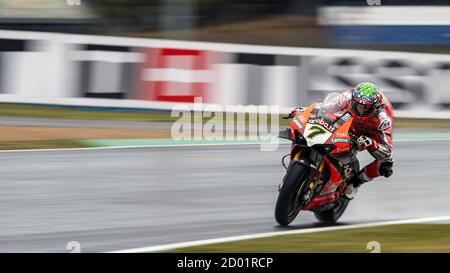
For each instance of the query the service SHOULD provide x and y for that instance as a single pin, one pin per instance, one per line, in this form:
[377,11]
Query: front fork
[300,155]
[318,166]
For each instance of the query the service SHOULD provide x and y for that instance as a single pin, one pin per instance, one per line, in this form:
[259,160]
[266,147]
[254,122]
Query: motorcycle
[322,161]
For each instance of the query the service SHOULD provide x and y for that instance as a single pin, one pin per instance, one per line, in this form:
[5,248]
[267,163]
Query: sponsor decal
[340,140]
[299,125]
[176,74]
[323,123]
[383,152]
[301,118]
[342,150]
[320,199]
[385,122]
[346,117]
[347,171]
[325,192]
[331,188]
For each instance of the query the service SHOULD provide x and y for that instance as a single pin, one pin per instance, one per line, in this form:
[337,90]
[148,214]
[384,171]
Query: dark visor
[361,109]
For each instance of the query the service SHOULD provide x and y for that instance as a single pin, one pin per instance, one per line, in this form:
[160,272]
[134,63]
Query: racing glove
[296,111]
[364,142]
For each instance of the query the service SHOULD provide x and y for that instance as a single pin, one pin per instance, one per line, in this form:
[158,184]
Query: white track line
[165,247]
[184,145]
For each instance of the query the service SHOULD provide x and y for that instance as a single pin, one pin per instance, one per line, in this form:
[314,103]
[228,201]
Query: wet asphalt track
[126,198]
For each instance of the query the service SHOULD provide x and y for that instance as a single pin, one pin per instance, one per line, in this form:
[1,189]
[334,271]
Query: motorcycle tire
[291,192]
[331,216]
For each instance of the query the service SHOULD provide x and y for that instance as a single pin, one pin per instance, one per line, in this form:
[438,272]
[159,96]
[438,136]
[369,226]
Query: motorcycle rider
[372,128]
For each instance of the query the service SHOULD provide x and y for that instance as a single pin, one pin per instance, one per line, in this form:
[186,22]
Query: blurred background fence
[149,73]
[139,70]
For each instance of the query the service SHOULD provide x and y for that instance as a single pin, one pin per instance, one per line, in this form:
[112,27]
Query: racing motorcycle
[322,161]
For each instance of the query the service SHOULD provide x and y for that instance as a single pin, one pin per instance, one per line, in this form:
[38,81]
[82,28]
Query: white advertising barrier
[385,15]
[369,25]
[100,71]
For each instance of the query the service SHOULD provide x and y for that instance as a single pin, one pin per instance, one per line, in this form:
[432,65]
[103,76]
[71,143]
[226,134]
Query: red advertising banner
[176,75]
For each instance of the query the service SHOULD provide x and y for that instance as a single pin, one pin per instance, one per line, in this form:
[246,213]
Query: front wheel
[291,193]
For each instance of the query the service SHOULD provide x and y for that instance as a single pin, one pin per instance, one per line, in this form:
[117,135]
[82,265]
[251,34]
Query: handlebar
[288,116]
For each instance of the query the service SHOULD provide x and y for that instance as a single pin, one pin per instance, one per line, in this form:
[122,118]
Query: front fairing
[324,124]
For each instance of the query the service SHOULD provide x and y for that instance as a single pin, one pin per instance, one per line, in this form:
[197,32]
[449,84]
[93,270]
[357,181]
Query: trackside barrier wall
[67,69]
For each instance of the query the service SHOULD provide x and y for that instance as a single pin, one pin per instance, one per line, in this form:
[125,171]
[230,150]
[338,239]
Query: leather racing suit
[379,128]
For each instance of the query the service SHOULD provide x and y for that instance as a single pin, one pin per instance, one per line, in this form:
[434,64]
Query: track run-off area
[119,198]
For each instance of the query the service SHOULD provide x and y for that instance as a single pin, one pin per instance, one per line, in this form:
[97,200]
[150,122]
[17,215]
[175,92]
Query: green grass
[38,111]
[392,238]
[422,123]
[61,112]
[41,144]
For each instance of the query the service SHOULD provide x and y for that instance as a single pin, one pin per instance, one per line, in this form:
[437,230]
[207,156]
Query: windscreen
[330,108]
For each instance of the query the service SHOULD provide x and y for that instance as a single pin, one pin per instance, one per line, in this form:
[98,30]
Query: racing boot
[354,184]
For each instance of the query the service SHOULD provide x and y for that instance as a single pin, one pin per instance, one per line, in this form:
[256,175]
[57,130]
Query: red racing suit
[378,127]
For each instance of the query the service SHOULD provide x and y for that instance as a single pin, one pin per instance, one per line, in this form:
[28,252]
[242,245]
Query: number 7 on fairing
[316,130]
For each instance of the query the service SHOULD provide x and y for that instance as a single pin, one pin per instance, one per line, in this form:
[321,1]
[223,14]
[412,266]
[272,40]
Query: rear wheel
[290,197]
[332,215]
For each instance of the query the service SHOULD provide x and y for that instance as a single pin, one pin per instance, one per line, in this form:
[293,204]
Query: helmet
[366,98]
